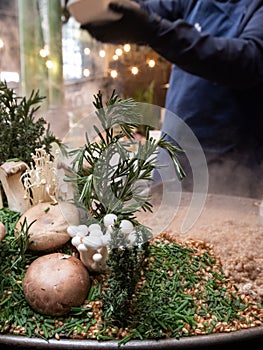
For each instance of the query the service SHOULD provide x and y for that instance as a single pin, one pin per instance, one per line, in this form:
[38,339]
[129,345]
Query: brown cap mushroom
[54,283]
[10,174]
[49,224]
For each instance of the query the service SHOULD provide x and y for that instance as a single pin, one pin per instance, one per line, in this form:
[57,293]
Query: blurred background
[42,48]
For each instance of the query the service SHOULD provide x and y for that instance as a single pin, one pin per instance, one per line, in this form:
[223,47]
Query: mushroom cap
[54,283]
[2,231]
[109,219]
[49,224]
[126,226]
[12,168]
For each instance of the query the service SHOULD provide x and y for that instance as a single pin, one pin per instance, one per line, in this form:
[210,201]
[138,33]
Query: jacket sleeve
[234,62]
[168,9]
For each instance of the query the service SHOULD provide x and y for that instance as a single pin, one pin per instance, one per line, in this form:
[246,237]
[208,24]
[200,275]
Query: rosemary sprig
[111,183]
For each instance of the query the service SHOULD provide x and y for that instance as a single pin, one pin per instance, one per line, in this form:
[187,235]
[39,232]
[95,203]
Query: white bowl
[88,11]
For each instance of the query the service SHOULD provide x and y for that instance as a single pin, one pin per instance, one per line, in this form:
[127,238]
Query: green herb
[105,187]
[125,265]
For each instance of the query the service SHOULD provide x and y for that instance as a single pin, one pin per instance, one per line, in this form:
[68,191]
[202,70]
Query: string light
[44,52]
[114,73]
[87,51]
[49,64]
[127,47]
[151,63]
[134,70]
[86,72]
[102,53]
[118,52]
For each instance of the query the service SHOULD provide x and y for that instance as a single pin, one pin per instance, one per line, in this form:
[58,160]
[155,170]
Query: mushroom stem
[94,266]
[1,199]
[10,173]
[2,231]
[40,180]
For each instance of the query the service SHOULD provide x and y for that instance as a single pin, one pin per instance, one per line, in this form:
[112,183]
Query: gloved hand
[135,26]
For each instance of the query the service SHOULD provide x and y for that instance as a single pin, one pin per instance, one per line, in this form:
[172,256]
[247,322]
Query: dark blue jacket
[216,83]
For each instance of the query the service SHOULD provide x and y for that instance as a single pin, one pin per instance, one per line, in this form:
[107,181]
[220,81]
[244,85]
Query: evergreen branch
[20,132]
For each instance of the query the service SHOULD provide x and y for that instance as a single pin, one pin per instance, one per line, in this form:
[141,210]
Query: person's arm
[236,62]
[139,20]
[168,9]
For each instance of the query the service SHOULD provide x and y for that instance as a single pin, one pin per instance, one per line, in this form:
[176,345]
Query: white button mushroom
[76,241]
[95,233]
[82,248]
[92,242]
[83,230]
[94,227]
[72,230]
[109,219]
[97,257]
[126,226]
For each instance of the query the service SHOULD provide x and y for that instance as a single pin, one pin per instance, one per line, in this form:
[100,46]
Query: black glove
[135,26]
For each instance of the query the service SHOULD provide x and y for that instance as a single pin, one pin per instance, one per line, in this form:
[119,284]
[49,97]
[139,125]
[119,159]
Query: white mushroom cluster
[91,244]
[40,180]
[92,241]
[126,227]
